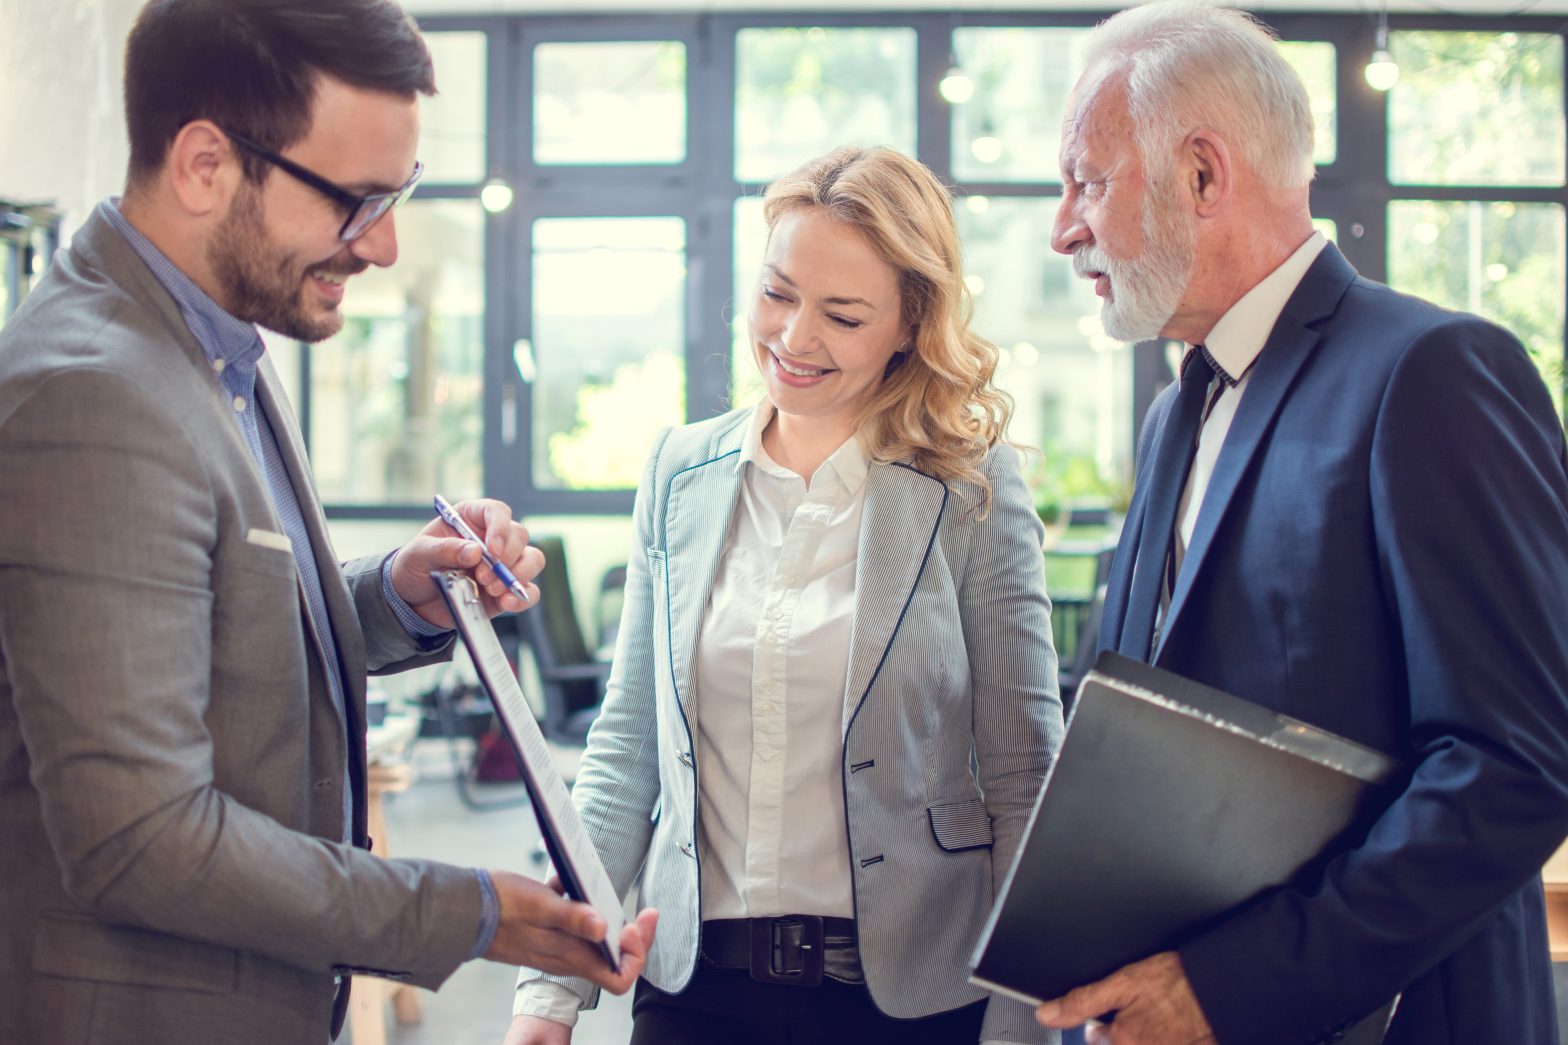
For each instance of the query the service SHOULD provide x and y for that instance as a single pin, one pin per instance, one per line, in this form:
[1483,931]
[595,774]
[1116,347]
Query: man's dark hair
[250,66]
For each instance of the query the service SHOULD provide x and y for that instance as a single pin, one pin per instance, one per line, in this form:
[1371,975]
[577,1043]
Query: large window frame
[1354,191]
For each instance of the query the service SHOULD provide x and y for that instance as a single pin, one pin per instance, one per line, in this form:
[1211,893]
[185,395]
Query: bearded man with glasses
[182,655]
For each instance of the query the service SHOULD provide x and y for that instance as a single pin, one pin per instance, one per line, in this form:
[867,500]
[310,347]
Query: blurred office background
[575,266]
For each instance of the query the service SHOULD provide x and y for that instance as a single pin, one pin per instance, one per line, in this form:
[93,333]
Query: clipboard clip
[460,586]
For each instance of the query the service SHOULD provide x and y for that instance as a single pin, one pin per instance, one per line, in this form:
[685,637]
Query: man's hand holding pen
[496,539]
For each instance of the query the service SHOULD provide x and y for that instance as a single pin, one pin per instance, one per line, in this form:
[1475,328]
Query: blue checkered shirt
[234,348]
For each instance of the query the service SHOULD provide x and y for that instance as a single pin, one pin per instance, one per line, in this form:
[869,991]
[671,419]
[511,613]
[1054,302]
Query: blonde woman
[834,696]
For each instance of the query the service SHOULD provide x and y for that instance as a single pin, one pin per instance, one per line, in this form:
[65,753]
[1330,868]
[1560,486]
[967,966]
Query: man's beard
[1145,291]
[264,284]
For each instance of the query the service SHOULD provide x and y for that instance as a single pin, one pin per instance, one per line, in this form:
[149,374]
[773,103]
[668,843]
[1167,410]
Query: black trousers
[728,1007]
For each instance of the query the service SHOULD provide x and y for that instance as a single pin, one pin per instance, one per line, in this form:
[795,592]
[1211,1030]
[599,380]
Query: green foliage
[801,92]
[1503,261]
[1481,108]
[616,423]
[1059,478]
[1476,108]
[1314,61]
[834,66]
[670,67]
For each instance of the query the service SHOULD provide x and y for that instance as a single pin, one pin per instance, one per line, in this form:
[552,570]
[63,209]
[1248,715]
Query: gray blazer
[171,764]
[952,679]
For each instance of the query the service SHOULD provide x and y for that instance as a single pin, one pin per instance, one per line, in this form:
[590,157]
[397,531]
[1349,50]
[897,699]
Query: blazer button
[686,847]
[685,759]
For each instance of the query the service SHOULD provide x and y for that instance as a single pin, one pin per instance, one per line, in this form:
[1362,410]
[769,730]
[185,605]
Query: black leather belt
[789,950]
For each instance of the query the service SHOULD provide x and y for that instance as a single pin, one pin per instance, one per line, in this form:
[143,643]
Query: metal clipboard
[572,852]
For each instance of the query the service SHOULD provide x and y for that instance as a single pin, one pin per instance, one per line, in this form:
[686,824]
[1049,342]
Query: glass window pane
[802,92]
[395,405]
[751,243]
[1071,385]
[1476,109]
[1504,261]
[609,328]
[601,103]
[1011,128]
[1314,62]
[452,124]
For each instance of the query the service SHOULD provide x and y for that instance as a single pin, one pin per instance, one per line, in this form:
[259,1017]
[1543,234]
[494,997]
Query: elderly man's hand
[1152,1001]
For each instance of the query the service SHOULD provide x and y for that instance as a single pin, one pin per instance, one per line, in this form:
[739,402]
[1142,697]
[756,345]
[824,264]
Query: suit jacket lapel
[341,616]
[903,510]
[697,517]
[1286,351]
[1129,544]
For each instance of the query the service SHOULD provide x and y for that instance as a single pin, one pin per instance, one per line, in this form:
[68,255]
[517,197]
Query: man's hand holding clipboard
[583,932]
[544,930]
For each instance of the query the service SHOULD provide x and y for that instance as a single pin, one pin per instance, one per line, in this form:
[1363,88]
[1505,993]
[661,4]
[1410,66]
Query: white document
[571,850]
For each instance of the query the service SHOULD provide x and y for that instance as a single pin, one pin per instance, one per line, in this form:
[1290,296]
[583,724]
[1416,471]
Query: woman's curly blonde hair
[936,407]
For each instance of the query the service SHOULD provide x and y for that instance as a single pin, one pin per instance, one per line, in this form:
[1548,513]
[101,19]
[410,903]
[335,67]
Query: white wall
[62,132]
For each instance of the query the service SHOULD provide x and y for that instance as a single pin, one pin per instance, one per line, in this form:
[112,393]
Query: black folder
[1170,804]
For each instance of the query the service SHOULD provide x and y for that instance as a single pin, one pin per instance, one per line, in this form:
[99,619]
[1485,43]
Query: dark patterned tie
[1167,477]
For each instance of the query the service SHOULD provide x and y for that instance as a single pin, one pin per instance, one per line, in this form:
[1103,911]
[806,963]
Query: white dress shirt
[1234,345]
[771,663]
[771,666]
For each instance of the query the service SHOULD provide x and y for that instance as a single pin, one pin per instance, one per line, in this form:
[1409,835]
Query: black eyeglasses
[363,211]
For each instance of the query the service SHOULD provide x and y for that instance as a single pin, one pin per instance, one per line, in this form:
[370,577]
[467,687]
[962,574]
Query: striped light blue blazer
[955,716]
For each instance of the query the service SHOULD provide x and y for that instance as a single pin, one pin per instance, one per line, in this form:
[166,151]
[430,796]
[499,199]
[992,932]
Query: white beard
[1146,290]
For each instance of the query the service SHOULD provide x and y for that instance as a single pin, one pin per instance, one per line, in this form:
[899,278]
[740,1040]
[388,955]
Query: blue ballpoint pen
[452,519]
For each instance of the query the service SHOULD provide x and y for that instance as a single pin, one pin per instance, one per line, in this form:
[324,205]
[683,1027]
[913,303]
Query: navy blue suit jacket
[1383,551]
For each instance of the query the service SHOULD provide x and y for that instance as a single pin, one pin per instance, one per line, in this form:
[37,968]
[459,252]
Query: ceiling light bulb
[955,85]
[987,148]
[1382,71]
[495,196]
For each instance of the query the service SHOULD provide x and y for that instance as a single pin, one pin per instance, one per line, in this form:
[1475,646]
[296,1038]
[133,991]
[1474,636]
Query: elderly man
[182,656]
[1352,507]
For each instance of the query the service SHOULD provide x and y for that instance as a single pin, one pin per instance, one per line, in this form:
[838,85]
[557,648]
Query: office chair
[460,711]
[1079,620]
[607,610]
[573,680]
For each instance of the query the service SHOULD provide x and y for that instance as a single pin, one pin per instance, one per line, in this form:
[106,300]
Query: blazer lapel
[903,510]
[341,616]
[1129,544]
[697,517]
[1286,351]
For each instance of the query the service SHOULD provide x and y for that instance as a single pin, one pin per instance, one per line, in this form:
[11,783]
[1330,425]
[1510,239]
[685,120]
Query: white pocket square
[269,539]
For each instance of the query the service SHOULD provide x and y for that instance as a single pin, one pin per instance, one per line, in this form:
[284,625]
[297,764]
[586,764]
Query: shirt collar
[1238,338]
[849,462]
[224,338]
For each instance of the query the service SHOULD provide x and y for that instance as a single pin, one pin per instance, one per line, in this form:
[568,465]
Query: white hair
[1190,64]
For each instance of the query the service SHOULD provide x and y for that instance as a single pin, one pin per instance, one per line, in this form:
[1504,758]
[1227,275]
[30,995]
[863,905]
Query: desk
[1557,920]
[386,773]
[1554,876]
